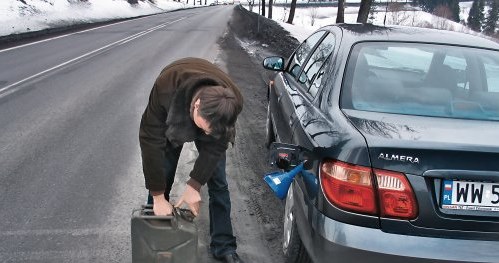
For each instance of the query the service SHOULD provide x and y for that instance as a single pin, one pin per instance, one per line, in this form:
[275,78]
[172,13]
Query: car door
[287,97]
[312,125]
[310,84]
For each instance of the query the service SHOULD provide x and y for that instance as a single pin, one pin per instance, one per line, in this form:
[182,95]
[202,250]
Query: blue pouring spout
[279,182]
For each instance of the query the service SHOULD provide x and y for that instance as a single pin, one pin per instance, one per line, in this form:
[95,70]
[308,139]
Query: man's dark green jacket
[167,123]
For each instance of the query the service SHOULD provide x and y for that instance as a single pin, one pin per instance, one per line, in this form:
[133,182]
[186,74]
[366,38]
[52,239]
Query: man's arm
[153,143]
[210,153]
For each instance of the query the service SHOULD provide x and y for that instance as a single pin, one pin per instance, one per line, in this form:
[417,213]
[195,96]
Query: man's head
[214,109]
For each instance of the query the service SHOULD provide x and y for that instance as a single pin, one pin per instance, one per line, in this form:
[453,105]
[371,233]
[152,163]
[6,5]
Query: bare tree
[270,8]
[364,9]
[251,4]
[340,16]
[398,15]
[372,11]
[284,14]
[414,10]
[443,14]
[313,15]
[292,12]
[263,8]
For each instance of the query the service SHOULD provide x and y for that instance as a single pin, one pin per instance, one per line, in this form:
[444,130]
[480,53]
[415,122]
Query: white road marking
[70,34]
[117,43]
[79,254]
[71,232]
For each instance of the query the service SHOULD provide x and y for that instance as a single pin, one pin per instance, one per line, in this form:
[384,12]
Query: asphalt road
[70,167]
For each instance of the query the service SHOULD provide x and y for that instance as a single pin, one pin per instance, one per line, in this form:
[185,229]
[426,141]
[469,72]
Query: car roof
[368,32]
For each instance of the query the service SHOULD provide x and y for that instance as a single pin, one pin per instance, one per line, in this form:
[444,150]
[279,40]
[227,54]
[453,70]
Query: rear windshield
[423,79]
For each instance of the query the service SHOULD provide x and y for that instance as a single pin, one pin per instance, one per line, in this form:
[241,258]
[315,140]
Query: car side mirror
[274,63]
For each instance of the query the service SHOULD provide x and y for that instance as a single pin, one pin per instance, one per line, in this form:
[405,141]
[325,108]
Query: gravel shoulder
[257,213]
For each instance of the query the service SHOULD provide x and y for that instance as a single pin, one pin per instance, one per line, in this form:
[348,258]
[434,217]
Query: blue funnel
[279,182]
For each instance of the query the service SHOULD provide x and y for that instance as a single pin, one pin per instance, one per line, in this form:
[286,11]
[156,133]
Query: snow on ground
[307,20]
[16,17]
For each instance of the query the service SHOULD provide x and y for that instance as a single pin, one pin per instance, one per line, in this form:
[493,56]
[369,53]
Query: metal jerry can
[163,239]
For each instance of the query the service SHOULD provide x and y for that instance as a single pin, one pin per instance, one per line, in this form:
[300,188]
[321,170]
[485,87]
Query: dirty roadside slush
[248,159]
[256,212]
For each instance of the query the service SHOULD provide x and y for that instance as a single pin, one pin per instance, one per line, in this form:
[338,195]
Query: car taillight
[351,187]
[395,195]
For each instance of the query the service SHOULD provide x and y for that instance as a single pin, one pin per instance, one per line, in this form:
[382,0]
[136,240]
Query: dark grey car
[406,122]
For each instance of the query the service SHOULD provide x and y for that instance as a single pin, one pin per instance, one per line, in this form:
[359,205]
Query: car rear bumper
[327,239]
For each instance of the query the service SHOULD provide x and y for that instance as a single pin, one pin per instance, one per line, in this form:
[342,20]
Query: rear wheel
[269,136]
[294,251]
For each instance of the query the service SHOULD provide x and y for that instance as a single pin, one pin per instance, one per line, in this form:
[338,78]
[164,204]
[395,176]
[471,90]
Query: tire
[269,133]
[292,247]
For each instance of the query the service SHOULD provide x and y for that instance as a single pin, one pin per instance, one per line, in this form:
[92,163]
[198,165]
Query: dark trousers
[223,241]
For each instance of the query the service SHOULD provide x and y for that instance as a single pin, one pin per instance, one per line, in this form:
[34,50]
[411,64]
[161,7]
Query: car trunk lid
[446,161]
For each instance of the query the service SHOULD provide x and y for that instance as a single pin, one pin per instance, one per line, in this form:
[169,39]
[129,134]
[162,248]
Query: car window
[492,74]
[455,61]
[423,79]
[311,76]
[301,53]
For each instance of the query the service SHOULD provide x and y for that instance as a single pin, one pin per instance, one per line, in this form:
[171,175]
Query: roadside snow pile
[314,18]
[19,16]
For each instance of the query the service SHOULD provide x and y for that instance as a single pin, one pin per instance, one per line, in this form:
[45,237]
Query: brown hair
[220,107]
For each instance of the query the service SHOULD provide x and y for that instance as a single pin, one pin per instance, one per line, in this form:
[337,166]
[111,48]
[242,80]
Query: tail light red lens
[351,187]
[395,195]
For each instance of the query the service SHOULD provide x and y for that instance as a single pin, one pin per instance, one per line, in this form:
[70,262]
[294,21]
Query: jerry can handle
[141,213]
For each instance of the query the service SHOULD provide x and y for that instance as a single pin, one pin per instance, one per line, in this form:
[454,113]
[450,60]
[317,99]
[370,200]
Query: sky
[16,17]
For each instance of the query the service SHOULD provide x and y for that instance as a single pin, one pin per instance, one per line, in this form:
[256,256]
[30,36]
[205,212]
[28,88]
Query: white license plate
[464,195]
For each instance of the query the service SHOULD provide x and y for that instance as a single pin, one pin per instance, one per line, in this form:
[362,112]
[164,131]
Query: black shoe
[231,258]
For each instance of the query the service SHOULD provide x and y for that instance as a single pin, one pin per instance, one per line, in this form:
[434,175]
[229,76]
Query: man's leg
[223,242]
[172,155]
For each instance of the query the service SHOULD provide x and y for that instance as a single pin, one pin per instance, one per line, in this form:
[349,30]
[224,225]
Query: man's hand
[192,198]
[161,207]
